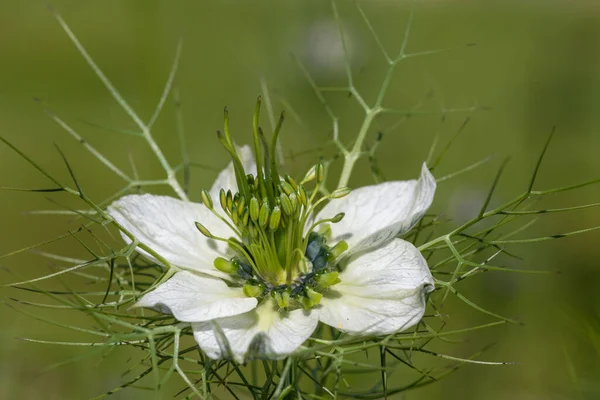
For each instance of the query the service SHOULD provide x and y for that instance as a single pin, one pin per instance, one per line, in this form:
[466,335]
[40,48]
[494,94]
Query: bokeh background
[529,66]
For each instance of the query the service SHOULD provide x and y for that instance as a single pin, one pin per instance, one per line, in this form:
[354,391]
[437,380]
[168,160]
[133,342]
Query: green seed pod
[223,199]
[286,188]
[263,216]
[206,199]
[203,230]
[286,204]
[275,218]
[339,193]
[225,266]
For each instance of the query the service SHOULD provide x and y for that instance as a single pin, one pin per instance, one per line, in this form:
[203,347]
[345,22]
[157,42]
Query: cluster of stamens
[275,254]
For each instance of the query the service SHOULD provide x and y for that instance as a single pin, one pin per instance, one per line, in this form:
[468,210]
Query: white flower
[263,293]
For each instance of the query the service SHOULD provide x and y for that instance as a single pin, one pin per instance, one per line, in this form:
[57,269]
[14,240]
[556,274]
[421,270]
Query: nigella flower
[255,277]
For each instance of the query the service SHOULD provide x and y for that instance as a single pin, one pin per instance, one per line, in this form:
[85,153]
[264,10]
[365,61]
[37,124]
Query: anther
[234,214]
[254,209]
[337,218]
[229,200]
[339,193]
[287,188]
[246,216]
[291,181]
[275,218]
[320,170]
[250,179]
[223,199]
[286,204]
[204,231]
[263,216]
[206,199]
[302,195]
[240,206]
[310,175]
[294,201]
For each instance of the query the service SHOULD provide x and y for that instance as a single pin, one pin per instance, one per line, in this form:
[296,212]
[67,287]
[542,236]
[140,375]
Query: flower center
[279,249]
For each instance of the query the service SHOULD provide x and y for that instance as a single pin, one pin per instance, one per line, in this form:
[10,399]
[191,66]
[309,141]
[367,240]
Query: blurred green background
[534,65]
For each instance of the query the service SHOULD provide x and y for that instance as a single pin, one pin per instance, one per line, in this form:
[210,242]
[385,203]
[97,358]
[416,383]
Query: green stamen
[274,254]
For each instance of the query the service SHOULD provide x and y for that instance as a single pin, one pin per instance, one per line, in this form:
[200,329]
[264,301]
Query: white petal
[167,226]
[226,179]
[191,298]
[264,332]
[378,213]
[381,292]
